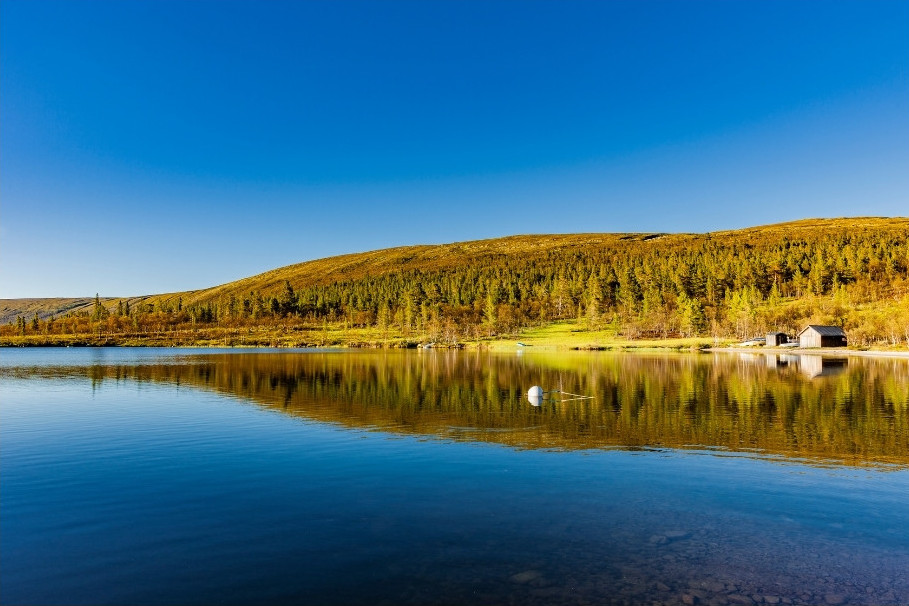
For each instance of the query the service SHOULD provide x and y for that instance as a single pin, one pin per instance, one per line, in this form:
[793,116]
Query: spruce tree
[96,311]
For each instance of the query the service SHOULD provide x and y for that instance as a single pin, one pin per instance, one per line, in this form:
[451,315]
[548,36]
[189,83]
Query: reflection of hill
[682,401]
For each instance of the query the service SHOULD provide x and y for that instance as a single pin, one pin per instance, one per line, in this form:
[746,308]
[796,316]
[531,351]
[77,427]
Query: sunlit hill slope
[852,272]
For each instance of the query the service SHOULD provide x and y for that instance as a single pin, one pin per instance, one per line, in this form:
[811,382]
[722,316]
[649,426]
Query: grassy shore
[557,336]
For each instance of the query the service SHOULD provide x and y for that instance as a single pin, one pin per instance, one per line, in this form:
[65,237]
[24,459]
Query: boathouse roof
[825,331]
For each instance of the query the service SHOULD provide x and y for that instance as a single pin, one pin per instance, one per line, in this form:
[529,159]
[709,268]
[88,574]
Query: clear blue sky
[161,146]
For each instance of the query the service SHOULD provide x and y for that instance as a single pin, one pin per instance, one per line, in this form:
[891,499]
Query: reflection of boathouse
[810,366]
[820,366]
[777,361]
[822,336]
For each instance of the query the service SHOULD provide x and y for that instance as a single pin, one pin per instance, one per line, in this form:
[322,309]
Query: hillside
[421,258]
[441,257]
[10,309]
[350,267]
[639,284]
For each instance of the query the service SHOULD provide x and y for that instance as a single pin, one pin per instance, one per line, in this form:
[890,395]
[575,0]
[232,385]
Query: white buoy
[535,392]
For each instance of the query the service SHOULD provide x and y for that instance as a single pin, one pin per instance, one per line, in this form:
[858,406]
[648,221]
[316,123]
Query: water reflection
[818,366]
[806,406]
[811,366]
[191,474]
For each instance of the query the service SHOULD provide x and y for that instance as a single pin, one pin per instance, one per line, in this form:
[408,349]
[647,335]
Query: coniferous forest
[852,273]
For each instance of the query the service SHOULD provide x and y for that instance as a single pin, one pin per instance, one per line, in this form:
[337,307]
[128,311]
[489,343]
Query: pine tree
[490,309]
[594,301]
[97,309]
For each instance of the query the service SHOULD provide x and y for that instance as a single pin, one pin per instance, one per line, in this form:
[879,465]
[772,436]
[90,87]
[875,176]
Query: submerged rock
[658,539]
[713,586]
[525,577]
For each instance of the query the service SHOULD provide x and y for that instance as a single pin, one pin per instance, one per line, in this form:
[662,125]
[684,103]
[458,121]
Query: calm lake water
[161,476]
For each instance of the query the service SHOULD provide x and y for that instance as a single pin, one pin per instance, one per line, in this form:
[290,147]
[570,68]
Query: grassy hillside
[44,308]
[441,257]
[350,267]
[852,272]
[423,258]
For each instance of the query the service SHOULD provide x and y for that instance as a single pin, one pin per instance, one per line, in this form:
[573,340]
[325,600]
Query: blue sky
[161,146]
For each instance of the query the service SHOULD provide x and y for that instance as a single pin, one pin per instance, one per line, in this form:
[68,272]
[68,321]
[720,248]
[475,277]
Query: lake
[165,476]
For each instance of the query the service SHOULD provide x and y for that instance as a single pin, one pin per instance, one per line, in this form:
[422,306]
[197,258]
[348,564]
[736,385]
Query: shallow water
[199,476]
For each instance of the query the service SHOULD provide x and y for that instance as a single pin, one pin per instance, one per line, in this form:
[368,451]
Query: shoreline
[494,346]
[814,351]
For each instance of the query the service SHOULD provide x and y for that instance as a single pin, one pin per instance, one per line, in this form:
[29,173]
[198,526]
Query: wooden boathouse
[775,338]
[822,336]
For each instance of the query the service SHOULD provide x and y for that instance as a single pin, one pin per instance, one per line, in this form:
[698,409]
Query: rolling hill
[343,268]
[838,251]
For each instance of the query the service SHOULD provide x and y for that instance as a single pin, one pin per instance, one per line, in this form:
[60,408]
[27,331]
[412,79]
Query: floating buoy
[535,395]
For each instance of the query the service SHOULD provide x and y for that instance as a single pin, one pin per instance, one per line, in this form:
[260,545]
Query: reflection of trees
[856,416]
